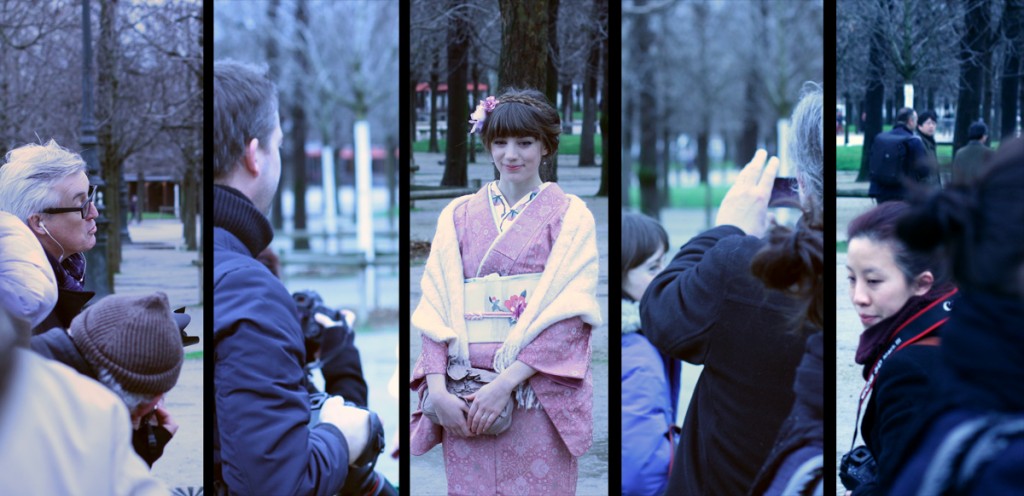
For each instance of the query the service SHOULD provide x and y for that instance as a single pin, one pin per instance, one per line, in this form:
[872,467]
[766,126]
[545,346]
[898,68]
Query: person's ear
[35,223]
[923,283]
[250,160]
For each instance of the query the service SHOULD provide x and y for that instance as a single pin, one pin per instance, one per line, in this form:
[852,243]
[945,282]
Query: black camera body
[309,303]
[857,467]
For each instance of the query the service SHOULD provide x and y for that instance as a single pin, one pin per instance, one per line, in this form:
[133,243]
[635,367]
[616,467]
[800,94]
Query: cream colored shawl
[566,289]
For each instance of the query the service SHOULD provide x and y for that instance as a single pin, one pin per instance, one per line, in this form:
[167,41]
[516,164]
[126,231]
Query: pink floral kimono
[552,422]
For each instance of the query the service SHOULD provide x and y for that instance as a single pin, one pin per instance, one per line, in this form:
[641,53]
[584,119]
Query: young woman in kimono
[509,290]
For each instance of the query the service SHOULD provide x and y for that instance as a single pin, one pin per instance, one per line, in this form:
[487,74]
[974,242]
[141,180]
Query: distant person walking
[897,156]
[970,161]
[926,123]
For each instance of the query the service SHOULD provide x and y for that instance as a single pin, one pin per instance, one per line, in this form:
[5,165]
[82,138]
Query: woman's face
[517,159]
[73,233]
[639,277]
[878,289]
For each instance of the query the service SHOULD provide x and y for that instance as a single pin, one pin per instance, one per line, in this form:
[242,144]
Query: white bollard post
[364,212]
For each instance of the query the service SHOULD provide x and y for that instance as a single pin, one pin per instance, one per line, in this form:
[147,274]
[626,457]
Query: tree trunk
[986,93]
[549,168]
[524,45]
[107,138]
[647,174]
[474,76]
[455,172]
[412,110]
[587,155]
[747,143]
[874,98]
[627,150]
[273,54]
[1013,20]
[434,86]
[567,108]
[603,189]
[298,137]
[971,69]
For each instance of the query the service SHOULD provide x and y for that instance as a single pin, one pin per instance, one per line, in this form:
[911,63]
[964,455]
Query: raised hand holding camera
[746,204]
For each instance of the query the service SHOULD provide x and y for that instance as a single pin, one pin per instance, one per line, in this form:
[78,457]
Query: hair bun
[942,216]
[793,262]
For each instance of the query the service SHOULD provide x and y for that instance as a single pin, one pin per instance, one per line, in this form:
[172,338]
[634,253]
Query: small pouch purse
[471,383]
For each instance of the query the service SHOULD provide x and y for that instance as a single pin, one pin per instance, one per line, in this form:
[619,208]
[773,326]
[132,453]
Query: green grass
[194,355]
[841,247]
[569,145]
[848,157]
[688,197]
[156,216]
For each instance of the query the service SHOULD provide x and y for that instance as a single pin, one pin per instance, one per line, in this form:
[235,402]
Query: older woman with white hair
[47,188]
[708,308]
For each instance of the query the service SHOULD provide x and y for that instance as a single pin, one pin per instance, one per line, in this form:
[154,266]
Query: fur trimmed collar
[630,316]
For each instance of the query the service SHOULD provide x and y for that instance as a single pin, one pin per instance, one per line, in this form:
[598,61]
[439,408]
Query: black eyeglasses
[84,209]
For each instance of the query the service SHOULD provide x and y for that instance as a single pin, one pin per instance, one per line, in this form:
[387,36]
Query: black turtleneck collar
[235,213]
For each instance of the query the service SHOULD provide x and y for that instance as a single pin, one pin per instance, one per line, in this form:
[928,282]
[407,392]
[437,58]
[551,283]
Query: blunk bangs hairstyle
[32,171]
[521,114]
[879,225]
[244,108]
[641,238]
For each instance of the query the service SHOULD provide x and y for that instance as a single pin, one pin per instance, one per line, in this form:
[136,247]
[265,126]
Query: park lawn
[687,197]
[194,355]
[569,144]
[841,247]
[848,157]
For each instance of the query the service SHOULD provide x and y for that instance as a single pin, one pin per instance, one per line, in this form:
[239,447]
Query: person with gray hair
[60,432]
[47,188]
[708,308]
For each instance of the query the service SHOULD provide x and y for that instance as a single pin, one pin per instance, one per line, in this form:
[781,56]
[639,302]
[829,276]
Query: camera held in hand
[362,478]
[309,303]
[857,467]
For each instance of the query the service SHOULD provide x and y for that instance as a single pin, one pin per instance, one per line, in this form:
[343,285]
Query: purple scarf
[70,273]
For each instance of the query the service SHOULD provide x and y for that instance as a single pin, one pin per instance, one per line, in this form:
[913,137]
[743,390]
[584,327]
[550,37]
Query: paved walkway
[428,470]
[157,261]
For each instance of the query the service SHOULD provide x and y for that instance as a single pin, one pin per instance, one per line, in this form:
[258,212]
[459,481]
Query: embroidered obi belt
[494,304]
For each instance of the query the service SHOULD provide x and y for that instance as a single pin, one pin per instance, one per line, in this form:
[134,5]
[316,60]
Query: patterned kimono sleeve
[433,360]
[561,352]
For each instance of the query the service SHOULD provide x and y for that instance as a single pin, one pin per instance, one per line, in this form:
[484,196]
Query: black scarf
[982,353]
[235,212]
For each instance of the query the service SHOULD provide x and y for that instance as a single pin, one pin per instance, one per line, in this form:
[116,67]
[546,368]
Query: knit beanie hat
[133,337]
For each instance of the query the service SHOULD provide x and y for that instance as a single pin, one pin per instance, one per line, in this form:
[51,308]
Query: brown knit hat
[135,338]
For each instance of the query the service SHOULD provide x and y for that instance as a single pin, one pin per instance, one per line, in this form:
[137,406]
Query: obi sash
[493,304]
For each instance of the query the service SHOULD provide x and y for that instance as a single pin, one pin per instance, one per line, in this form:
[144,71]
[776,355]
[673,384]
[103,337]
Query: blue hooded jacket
[650,393]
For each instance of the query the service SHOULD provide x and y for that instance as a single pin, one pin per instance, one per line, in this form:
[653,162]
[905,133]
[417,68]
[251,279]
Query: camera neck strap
[918,327]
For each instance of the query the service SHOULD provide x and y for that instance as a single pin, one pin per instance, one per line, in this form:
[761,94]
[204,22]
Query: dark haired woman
[509,299]
[903,300]
[971,439]
[650,378]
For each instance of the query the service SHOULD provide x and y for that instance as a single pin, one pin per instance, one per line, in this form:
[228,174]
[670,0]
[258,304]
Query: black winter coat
[262,444]
[707,308]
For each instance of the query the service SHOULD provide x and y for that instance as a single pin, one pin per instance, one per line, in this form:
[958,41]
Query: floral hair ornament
[485,107]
